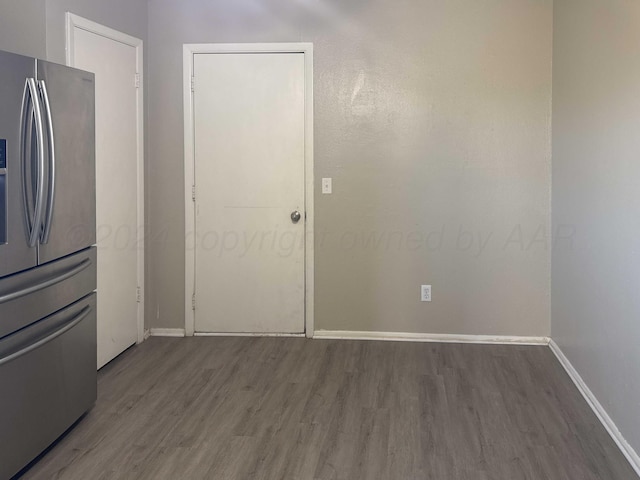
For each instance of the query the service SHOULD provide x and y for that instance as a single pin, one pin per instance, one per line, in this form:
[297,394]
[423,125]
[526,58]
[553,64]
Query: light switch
[327,186]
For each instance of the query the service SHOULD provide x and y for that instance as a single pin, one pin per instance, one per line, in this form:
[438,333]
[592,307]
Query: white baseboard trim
[166,332]
[208,334]
[597,408]
[429,337]
[147,334]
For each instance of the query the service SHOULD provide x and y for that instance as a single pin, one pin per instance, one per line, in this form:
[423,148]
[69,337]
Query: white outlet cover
[425,293]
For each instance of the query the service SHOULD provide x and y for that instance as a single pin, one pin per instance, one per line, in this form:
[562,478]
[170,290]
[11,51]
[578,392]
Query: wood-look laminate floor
[291,408]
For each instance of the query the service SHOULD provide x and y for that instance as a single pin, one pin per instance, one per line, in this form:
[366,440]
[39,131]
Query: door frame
[72,22]
[189,51]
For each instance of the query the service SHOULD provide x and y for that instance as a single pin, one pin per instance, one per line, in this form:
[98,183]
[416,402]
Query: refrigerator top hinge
[137,80]
[193,301]
[193,84]
[193,193]
[138,294]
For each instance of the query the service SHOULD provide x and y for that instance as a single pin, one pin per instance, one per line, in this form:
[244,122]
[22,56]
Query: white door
[249,111]
[115,66]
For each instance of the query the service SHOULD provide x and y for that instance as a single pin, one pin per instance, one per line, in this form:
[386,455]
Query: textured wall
[596,173]
[433,118]
[22,27]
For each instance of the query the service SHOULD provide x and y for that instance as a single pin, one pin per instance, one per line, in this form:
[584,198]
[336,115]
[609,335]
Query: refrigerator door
[69,220]
[15,254]
[48,375]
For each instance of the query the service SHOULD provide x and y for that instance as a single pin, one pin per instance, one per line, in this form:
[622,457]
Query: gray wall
[433,118]
[22,27]
[596,174]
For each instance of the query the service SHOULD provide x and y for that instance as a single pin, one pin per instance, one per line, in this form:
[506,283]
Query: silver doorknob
[295,216]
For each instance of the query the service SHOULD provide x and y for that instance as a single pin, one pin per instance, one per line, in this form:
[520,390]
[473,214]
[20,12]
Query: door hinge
[193,84]
[193,302]
[193,193]
[138,294]
[137,80]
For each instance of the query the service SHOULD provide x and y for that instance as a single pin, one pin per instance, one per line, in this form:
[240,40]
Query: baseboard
[597,408]
[166,332]
[147,334]
[203,334]
[429,337]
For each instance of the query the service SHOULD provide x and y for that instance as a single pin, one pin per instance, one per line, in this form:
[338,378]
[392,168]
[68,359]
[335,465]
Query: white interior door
[117,134]
[249,112]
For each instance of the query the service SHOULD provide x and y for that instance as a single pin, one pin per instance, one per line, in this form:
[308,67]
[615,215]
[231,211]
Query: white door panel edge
[92,46]
[306,201]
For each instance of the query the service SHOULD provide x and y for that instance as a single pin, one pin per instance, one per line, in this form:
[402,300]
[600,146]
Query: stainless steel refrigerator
[47,261]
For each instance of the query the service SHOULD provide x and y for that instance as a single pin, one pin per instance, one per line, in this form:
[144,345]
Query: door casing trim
[189,50]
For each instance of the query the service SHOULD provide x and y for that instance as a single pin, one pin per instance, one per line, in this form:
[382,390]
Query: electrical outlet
[425,293]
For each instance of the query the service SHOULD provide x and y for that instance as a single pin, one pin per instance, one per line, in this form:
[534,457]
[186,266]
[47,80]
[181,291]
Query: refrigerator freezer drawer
[47,380]
[29,296]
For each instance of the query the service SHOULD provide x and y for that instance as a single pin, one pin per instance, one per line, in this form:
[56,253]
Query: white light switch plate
[327,186]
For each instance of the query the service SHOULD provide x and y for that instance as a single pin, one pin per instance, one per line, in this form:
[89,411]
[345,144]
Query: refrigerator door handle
[41,286]
[32,111]
[26,133]
[52,164]
[72,323]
